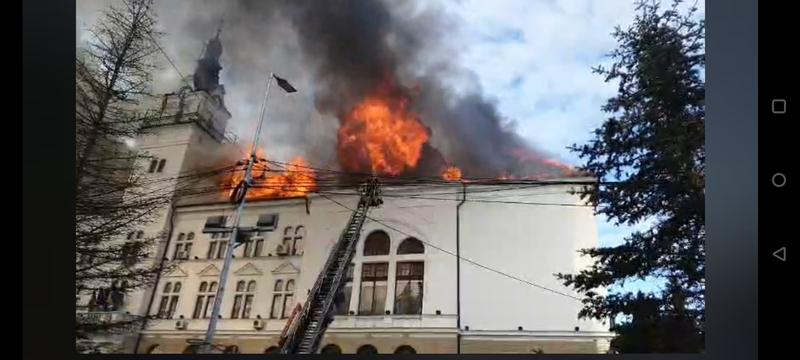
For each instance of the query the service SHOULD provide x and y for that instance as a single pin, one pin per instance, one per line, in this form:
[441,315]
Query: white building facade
[408,291]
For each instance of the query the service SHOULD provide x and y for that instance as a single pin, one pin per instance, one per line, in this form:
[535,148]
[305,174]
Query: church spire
[206,75]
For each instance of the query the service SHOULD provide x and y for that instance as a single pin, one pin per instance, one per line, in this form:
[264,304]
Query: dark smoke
[343,50]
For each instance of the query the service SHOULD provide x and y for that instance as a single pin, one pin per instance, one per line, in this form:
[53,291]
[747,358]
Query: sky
[532,57]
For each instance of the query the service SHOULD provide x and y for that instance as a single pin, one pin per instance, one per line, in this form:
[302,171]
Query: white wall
[528,241]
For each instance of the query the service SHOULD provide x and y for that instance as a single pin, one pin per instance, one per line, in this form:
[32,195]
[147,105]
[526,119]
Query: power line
[461,257]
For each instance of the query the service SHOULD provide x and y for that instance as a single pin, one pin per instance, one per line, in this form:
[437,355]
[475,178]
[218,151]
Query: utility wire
[461,257]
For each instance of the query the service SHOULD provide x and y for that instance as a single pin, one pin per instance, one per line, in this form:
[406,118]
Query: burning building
[454,261]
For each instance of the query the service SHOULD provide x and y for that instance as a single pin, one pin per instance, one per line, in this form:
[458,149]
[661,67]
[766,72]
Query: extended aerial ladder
[307,325]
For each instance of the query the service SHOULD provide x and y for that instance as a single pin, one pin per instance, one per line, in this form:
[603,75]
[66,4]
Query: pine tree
[649,155]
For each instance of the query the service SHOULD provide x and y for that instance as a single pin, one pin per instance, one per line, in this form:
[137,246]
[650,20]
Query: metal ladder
[306,330]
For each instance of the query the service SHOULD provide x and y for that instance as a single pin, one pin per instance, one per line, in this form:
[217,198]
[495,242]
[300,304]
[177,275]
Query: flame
[452,173]
[381,134]
[295,180]
[554,167]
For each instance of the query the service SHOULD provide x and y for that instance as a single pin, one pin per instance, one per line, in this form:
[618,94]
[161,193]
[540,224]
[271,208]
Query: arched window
[161,165]
[288,236]
[131,234]
[411,246]
[297,243]
[168,287]
[272,350]
[181,236]
[282,299]
[190,236]
[243,300]
[405,349]
[140,234]
[367,350]
[331,349]
[205,300]
[377,243]
[177,287]
[153,165]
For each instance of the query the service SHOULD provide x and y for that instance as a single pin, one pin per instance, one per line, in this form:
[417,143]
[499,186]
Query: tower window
[161,165]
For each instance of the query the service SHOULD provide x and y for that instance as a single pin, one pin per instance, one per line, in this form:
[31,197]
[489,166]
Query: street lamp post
[248,178]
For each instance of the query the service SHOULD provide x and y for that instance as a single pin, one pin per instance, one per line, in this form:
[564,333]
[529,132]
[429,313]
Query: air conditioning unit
[258,324]
[181,324]
[282,249]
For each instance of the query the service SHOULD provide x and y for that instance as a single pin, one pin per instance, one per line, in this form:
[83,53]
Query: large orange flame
[294,180]
[382,135]
[452,173]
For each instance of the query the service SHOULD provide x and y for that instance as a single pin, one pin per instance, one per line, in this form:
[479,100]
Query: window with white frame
[374,277]
[183,246]
[169,300]
[342,304]
[205,300]
[282,299]
[243,299]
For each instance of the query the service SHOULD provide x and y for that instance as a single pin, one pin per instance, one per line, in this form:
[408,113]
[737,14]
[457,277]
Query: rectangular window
[178,248]
[373,289]
[267,222]
[187,250]
[342,305]
[198,307]
[248,246]
[287,305]
[237,306]
[223,247]
[276,306]
[408,288]
[162,307]
[258,248]
[209,306]
[248,305]
[215,222]
[173,304]
[212,250]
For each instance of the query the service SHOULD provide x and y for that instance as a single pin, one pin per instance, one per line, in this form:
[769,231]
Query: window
[190,236]
[259,246]
[408,288]
[267,222]
[405,350]
[169,300]
[130,235]
[217,222]
[272,350]
[191,349]
[153,165]
[183,247]
[233,349]
[205,300]
[212,250]
[288,236]
[377,243]
[139,234]
[130,254]
[373,288]
[282,299]
[216,250]
[243,300]
[411,246]
[367,350]
[331,349]
[299,233]
[161,165]
[342,304]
